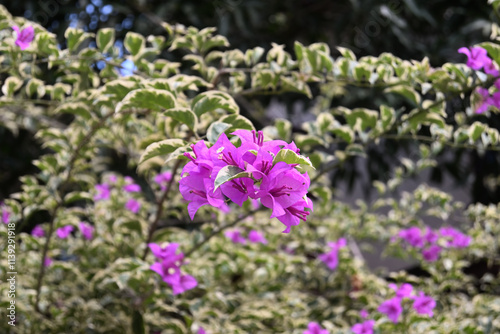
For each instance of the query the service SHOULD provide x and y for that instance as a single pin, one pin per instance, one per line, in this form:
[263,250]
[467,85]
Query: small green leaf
[237,122]
[75,108]
[75,37]
[215,129]
[11,85]
[228,173]
[213,100]
[291,158]
[405,91]
[183,115]
[105,39]
[163,147]
[134,43]
[147,98]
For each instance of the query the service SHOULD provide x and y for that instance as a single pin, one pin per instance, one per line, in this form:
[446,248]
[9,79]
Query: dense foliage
[129,137]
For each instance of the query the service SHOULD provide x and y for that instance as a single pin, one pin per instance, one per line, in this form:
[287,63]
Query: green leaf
[215,129]
[284,128]
[237,122]
[77,196]
[228,173]
[134,43]
[75,108]
[291,158]
[368,118]
[345,133]
[346,53]
[493,50]
[405,91]
[213,100]
[105,39]
[11,85]
[147,98]
[75,37]
[163,147]
[388,116]
[35,87]
[183,115]
[475,130]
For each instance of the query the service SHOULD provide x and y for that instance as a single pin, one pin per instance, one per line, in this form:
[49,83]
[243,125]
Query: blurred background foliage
[405,28]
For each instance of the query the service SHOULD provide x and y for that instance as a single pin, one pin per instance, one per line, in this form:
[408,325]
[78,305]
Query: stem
[219,230]
[71,164]
[41,272]
[159,209]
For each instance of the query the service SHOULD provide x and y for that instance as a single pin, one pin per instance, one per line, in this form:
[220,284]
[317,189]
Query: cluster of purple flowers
[422,303]
[393,307]
[331,259]
[169,267]
[103,192]
[277,184]
[477,59]
[431,242]
[254,236]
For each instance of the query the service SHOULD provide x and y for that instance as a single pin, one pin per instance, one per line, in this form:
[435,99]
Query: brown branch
[159,209]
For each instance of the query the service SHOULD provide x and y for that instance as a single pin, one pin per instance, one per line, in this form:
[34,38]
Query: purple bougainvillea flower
[424,304]
[87,230]
[454,237]
[283,187]
[47,261]
[162,179]
[431,237]
[112,178]
[132,188]
[102,192]
[413,236]
[239,190]
[168,254]
[5,213]
[363,314]
[392,308]
[315,328]
[364,327]
[404,291]
[133,205]
[295,213]
[486,100]
[24,37]
[38,232]
[476,57]
[235,237]
[64,232]
[331,258]
[255,237]
[489,68]
[431,253]
[201,330]
[185,282]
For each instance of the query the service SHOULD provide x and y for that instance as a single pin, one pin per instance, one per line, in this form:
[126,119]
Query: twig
[219,230]
[159,209]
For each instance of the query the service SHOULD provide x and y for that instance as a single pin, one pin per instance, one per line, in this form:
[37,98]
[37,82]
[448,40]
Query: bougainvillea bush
[211,225]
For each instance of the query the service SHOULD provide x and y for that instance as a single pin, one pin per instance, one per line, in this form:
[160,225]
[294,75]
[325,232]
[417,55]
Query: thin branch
[159,209]
[69,169]
[219,230]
